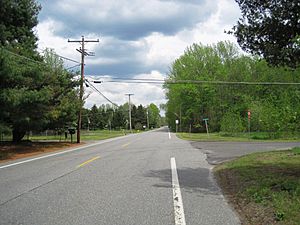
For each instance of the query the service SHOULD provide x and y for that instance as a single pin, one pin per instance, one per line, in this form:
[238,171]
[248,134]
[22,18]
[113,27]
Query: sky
[137,39]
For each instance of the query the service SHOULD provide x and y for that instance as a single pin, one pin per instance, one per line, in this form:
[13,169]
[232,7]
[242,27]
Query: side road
[218,152]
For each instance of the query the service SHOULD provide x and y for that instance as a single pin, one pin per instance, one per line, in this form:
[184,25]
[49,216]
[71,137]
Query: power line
[71,67]
[95,89]
[72,60]
[228,82]
[157,81]
[42,63]
[133,79]
[63,57]
[24,57]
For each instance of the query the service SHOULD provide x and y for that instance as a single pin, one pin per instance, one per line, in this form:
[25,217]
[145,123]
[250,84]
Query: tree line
[269,32]
[117,117]
[226,105]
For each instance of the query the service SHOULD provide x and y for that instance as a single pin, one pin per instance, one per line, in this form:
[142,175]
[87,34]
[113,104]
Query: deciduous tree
[270,29]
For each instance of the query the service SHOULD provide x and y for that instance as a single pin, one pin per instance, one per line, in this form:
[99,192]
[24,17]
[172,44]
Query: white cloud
[144,93]
[144,57]
[212,30]
[163,49]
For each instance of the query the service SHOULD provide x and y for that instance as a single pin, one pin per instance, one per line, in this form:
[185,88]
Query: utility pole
[148,124]
[84,53]
[180,122]
[129,106]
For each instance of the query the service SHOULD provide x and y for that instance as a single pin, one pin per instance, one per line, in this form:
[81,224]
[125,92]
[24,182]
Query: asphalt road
[149,178]
[218,152]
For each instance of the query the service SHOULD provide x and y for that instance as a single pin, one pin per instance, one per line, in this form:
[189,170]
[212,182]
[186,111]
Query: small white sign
[177,121]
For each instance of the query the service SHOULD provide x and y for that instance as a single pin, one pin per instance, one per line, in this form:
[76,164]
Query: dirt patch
[249,213]
[10,151]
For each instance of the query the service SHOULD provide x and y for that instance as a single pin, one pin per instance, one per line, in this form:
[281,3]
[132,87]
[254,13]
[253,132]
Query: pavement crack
[37,187]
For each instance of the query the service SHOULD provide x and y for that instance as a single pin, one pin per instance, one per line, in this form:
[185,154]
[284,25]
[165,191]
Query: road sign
[177,121]
[249,114]
[206,125]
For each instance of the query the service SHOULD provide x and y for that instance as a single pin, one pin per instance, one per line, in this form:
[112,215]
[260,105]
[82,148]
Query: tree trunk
[18,134]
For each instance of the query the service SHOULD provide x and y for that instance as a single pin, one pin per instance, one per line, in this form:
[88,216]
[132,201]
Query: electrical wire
[71,67]
[63,57]
[156,81]
[95,89]
[23,57]
[72,60]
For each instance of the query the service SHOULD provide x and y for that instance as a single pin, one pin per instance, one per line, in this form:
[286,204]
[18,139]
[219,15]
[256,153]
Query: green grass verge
[85,136]
[92,135]
[257,136]
[264,187]
[100,135]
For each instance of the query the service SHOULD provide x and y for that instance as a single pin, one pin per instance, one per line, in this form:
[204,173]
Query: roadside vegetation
[264,188]
[254,136]
[208,82]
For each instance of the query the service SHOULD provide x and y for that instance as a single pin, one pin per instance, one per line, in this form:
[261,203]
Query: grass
[101,134]
[93,135]
[38,144]
[257,136]
[264,188]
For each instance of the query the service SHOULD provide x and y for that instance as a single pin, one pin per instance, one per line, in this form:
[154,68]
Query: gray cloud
[127,21]
[135,36]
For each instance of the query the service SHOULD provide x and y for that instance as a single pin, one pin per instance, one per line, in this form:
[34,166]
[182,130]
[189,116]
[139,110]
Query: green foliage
[17,20]
[232,123]
[270,29]
[296,150]
[153,115]
[274,108]
[108,117]
[36,92]
[35,95]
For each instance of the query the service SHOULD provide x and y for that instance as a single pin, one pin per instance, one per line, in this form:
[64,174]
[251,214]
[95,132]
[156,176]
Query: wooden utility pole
[81,91]
[129,106]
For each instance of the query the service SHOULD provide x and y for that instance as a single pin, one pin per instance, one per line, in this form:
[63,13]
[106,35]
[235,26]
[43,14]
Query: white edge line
[64,152]
[169,135]
[177,198]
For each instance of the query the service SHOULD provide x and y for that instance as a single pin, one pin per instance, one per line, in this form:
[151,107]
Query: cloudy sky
[138,38]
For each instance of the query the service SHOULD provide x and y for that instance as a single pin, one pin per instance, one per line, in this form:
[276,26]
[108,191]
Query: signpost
[249,120]
[206,126]
[177,122]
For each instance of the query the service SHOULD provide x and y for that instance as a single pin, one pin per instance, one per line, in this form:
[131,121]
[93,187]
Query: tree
[34,94]
[94,117]
[119,118]
[270,29]
[141,117]
[274,108]
[153,114]
[64,103]
[17,20]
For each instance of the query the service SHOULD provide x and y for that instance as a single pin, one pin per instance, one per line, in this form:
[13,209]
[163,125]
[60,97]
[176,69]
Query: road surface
[218,152]
[149,178]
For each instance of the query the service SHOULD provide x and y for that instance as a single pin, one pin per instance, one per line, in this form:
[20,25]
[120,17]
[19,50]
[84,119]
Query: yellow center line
[86,162]
[126,144]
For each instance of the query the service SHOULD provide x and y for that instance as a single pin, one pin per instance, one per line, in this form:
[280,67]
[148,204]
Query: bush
[232,123]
